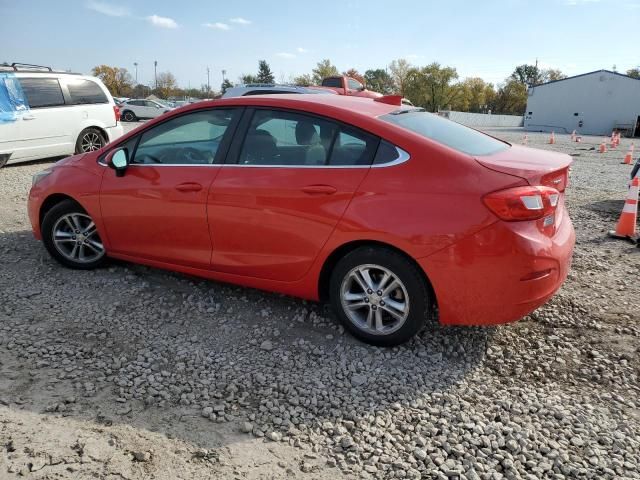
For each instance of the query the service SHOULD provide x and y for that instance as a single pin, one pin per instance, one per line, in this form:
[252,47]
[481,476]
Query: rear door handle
[319,189]
[189,187]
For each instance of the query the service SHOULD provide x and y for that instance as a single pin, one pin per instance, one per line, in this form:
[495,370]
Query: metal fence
[483,119]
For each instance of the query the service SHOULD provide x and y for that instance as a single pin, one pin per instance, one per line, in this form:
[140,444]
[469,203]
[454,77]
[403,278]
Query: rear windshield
[451,134]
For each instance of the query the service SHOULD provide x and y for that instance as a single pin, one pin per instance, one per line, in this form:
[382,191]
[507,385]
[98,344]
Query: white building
[592,104]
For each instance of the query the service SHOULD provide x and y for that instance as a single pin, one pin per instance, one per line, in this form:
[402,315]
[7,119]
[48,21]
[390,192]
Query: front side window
[193,138]
[355,85]
[285,138]
[447,132]
[42,92]
[85,92]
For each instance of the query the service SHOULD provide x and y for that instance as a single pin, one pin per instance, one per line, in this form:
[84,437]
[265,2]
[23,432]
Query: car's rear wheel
[380,296]
[128,116]
[70,236]
[90,140]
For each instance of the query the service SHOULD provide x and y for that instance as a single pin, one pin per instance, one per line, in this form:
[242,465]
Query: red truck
[344,85]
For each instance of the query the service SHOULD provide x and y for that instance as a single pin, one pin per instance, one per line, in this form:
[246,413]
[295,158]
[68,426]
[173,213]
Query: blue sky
[485,39]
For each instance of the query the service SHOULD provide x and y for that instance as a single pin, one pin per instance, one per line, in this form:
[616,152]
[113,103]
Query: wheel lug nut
[379,292]
[373,307]
[382,303]
[369,291]
[366,300]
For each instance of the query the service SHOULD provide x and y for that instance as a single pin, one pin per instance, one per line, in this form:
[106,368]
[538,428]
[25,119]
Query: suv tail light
[523,203]
[116,112]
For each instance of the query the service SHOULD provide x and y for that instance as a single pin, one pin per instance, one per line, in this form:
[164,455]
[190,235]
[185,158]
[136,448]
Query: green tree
[225,85]
[476,95]
[528,75]
[304,80]
[400,69]
[511,98]
[323,70]
[247,78]
[432,87]
[634,72]
[380,81]
[117,80]
[265,75]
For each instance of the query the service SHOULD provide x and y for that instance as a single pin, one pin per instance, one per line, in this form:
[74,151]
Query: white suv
[44,113]
[132,110]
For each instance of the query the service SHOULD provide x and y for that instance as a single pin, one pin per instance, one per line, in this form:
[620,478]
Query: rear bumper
[501,273]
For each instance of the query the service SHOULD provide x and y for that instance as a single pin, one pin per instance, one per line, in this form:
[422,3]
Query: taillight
[116,112]
[523,203]
[558,180]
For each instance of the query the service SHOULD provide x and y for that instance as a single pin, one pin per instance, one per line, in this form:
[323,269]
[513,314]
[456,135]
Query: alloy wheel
[91,141]
[374,299]
[76,238]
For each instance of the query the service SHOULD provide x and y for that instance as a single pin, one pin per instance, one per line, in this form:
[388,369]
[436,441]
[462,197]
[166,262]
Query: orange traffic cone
[603,147]
[628,158]
[552,139]
[525,140]
[626,226]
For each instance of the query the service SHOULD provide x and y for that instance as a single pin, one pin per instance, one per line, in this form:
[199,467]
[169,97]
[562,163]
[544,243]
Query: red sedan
[392,214]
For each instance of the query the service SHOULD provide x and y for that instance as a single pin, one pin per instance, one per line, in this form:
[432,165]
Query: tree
[431,87]
[117,80]
[552,74]
[528,75]
[247,78]
[225,85]
[167,83]
[323,70]
[634,72]
[264,73]
[305,80]
[399,72]
[380,81]
[476,95]
[511,98]
[353,73]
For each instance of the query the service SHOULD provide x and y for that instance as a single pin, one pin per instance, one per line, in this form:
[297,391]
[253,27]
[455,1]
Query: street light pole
[208,84]
[155,72]
[135,64]
[224,72]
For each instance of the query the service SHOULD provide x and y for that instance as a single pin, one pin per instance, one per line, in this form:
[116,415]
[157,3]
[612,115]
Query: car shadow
[153,349]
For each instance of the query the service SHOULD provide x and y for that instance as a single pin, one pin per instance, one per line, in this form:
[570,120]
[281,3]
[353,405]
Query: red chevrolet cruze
[392,214]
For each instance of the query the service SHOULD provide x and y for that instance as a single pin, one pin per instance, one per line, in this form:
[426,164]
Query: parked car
[392,214]
[271,89]
[140,109]
[344,85]
[46,113]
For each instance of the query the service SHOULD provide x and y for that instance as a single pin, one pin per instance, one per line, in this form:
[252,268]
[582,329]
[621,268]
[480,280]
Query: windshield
[451,134]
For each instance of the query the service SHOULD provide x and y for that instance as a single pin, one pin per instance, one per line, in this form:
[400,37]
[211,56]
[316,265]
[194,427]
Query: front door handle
[189,187]
[319,189]
[28,117]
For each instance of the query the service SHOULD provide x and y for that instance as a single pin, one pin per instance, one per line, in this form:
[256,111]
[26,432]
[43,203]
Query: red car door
[288,179]
[157,210]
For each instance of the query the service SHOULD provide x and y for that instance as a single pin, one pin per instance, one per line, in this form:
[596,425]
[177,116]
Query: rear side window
[451,134]
[386,153]
[353,147]
[332,82]
[85,92]
[42,92]
[355,85]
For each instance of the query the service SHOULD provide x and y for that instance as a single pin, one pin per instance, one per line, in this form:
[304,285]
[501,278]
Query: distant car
[120,100]
[271,89]
[394,215]
[133,110]
[45,113]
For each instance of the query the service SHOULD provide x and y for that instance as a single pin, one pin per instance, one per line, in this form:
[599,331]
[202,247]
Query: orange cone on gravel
[603,147]
[552,138]
[626,226]
[628,158]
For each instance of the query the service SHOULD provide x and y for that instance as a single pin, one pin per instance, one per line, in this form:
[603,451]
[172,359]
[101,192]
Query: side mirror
[118,160]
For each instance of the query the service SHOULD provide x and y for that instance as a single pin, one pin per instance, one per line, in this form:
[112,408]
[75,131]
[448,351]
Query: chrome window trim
[403,156]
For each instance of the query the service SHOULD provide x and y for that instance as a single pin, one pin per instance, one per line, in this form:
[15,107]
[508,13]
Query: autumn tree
[432,87]
[167,83]
[323,70]
[399,73]
[380,81]
[511,98]
[117,80]
[265,75]
[355,74]
[552,74]
[475,95]
[305,80]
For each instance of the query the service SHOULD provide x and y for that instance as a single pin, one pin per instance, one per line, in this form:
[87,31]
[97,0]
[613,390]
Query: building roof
[584,75]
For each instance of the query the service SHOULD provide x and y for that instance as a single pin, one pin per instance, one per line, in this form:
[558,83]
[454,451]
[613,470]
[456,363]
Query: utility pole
[135,64]
[208,84]
[224,72]
[155,72]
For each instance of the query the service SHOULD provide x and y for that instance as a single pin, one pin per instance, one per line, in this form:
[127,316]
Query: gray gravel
[234,374]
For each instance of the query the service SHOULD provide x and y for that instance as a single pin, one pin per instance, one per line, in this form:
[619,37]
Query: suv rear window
[441,130]
[42,92]
[85,91]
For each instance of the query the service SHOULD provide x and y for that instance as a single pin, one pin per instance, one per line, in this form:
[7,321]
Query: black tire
[419,302]
[50,220]
[90,140]
[3,160]
[129,116]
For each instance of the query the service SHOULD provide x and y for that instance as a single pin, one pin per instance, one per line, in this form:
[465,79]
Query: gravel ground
[129,372]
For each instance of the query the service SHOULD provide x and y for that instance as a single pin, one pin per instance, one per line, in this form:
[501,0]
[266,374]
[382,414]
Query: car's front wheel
[380,296]
[70,236]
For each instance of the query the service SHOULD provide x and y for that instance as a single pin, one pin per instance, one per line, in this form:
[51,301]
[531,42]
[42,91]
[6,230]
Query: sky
[487,39]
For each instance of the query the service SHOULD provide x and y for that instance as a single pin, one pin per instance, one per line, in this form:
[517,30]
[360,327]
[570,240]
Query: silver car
[133,110]
[271,89]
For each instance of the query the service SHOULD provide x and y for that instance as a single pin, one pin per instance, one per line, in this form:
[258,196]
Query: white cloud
[162,22]
[285,55]
[301,50]
[240,21]
[218,26]
[574,3]
[107,9]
